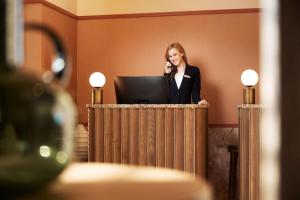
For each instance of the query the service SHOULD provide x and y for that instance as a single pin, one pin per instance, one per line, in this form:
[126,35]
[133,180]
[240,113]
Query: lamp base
[249,95]
[97,96]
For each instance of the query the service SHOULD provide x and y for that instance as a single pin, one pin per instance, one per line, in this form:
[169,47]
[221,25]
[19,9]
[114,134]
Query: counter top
[147,105]
[250,106]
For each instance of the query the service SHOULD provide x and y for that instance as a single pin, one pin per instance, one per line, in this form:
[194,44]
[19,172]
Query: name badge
[186,76]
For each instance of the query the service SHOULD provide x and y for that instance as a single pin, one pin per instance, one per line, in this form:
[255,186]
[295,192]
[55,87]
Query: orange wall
[39,50]
[33,41]
[222,45]
[66,27]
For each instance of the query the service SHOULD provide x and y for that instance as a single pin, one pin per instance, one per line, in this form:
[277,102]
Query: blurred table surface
[89,181]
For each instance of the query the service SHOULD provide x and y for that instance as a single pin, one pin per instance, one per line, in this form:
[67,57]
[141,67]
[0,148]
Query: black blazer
[189,91]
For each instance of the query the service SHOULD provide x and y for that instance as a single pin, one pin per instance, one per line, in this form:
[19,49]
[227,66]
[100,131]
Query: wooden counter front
[167,135]
[250,151]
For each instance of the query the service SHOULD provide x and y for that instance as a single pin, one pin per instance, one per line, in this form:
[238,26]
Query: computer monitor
[141,89]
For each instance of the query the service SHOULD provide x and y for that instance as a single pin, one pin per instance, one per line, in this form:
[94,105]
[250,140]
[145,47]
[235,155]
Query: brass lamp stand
[97,95]
[249,95]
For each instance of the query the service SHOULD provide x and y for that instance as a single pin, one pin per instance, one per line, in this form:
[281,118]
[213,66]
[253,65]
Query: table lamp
[97,80]
[249,79]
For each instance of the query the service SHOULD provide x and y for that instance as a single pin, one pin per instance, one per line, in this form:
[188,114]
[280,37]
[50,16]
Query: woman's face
[175,56]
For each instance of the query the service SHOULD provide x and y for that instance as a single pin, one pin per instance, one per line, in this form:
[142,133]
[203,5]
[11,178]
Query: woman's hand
[203,102]
[168,67]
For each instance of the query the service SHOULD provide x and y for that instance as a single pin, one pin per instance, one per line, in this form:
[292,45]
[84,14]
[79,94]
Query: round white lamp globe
[249,77]
[97,79]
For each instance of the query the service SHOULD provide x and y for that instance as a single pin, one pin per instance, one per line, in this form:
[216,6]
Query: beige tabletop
[91,181]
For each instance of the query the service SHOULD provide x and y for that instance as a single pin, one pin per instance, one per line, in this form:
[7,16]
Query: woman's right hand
[168,67]
[203,102]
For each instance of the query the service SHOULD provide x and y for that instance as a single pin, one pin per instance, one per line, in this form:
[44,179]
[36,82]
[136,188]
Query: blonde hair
[178,46]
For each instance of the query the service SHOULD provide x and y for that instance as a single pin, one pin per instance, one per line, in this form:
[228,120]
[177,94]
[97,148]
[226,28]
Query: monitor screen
[141,89]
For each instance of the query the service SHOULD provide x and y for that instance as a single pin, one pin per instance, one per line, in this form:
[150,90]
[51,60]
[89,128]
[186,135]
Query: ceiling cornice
[51,5]
[136,15]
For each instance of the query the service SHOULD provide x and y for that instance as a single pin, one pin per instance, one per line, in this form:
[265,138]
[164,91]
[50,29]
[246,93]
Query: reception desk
[166,135]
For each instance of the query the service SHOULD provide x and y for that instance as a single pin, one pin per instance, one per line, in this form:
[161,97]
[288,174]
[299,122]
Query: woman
[184,79]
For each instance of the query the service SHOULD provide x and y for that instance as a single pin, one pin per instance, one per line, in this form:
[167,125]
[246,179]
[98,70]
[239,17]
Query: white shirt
[178,78]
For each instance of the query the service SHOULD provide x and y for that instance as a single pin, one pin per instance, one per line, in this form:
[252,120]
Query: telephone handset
[173,67]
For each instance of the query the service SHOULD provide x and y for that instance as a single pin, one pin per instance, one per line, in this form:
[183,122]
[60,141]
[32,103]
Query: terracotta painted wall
[33,41]
[66,27]
[39,50]
[222,45]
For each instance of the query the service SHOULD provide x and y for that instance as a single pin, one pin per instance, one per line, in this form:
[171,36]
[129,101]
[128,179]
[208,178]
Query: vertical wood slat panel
[251,159]
[151,138]
[179,139]
[255,153]
[143,137]
[244,155]
[125,136]
[189,143]
[91,134]
[204,135]
[99,136]
[170,139]
[250,150]
[258,126]
[133,136]
[116,136]
[108,127]
[201,141]
[160,138]
[197,141]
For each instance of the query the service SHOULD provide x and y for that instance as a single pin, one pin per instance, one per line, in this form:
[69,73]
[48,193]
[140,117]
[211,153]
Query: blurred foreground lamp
[97,80]
[249,79]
